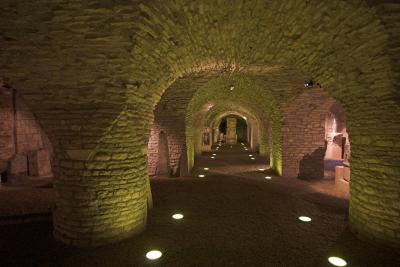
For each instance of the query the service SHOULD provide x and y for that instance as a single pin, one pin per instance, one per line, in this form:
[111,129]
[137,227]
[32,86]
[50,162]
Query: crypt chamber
[200,133]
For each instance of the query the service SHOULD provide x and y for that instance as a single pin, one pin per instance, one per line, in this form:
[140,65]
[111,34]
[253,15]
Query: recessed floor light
[153,254]
[177,216]
[268,177]
[213,157]
[261,170]
[337,261]
[214,154]
[305,219]
[253,158]
[201,176]
[250,155]
[206,169]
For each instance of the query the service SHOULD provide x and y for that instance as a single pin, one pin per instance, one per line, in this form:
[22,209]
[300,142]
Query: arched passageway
[96,100]
[25,150]
[337,140]
[239,129]
[254,132]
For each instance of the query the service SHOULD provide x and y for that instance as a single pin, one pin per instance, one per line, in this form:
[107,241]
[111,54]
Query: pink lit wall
[24,147]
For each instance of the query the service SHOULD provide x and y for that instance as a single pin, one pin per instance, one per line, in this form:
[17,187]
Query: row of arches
[98,112]
[314,136]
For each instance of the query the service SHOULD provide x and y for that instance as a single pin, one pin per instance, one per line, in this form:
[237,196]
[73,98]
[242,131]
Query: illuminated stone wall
[25,148]
[93,72]
[169,117]
[304,134]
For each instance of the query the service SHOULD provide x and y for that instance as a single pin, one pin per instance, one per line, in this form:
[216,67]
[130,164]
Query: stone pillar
[103,192]
[231,137]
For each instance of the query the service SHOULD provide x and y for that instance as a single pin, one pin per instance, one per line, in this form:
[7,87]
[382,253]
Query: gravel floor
[233,217]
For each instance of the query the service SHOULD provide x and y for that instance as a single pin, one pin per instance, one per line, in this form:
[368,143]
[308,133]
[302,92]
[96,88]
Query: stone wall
[25,148]
[304,148]
[7,145]
[152,150]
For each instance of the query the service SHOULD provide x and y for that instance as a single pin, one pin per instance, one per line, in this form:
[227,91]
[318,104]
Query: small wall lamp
[310,84]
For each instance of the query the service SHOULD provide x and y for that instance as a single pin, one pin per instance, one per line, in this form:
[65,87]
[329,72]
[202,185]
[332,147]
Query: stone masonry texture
[22,140]
[93,72]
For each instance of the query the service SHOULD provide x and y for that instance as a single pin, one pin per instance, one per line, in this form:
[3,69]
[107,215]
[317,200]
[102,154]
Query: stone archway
[98,111]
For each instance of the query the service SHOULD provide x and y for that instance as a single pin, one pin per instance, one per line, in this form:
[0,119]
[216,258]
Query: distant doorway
[240,129]
[337,154]
[163,165]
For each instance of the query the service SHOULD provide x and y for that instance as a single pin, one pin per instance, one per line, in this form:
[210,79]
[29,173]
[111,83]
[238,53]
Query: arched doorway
[234,126]
[337,143]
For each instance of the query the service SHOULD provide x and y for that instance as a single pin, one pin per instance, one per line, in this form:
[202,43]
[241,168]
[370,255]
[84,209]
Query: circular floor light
[305,219]
[214,154]
[153,254]
[201,176]
[206,169]
[261,170]
[250,155]
[213,157]
[177,216]
[337,261]
[253,158]
[268,177]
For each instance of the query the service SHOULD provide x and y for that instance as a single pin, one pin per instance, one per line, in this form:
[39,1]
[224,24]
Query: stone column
[102,191]
[231,137]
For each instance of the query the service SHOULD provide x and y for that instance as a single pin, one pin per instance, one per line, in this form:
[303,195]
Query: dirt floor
[30,201]
[233,217]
